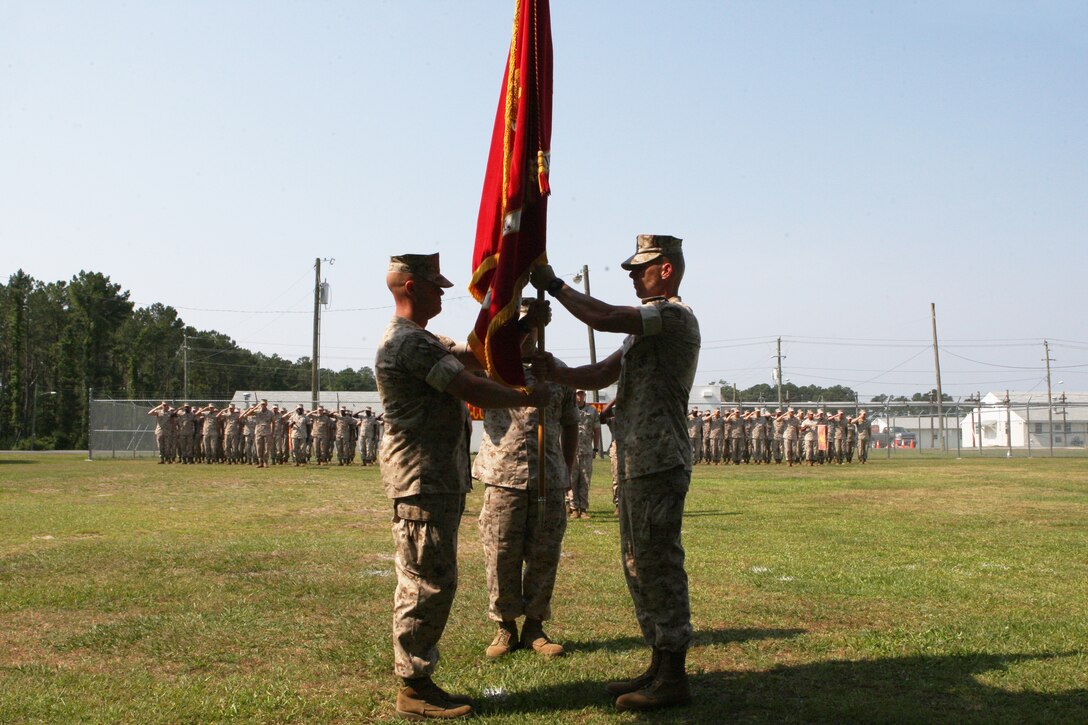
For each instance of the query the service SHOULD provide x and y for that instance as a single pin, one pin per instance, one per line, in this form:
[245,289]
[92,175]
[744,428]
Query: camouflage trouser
[706,449]
[736,448]
[298,447]
[171,446]
[520,557]
[651,516]
[425,536]
[863,449]
[185,446]
[714,455]
[370,448]
[322,450]
[793,450]
[250,450]
[343,449]
[848,453]
[163,442]
[811,444]
[211,448]
[776,449]
[262,446]
[696,448]
[578,495]
[233,447]
[838,449]
[758,445]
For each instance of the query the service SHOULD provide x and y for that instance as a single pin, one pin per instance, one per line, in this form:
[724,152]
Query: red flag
[511,230]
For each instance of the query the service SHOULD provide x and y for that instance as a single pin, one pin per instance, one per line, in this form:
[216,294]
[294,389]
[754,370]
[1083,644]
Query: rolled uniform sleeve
[651,320]
[443,372]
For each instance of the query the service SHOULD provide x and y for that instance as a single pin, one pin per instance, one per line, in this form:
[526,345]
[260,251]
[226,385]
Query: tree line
[59,341]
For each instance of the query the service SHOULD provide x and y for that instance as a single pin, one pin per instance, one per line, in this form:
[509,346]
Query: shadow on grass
[5,459]
[700,637]
[942,689]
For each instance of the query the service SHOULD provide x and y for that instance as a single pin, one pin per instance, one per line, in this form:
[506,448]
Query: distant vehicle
[902,437]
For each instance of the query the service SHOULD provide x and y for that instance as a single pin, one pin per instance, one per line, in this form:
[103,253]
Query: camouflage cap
[421,265]
[649,247]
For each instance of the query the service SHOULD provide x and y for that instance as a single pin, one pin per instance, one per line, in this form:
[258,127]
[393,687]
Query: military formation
[759,436]
[264,435]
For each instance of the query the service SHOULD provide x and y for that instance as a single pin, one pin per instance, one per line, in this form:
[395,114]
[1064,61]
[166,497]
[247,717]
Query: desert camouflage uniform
[654,459]
[211,437]
[778,431]
[232,439]
[810,440]
[164,421]
[262,434]
[737,438]
[300,433]
[345,437]
[521,558]
[695,436]
[757,430]
[321,430]
[851,440]
[864,432]
[369,439]
[249,432]
[837,428]
[589,427]
[425,471]
[185,426]
[716,426]
[792,439]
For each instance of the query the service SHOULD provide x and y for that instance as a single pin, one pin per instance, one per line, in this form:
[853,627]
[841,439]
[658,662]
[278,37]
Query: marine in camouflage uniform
[164,419]
[260,419]
[368,437]
[345,435]
[654,371]
[737,437]
[695,435]
[716,426]
[232,429]
[185,420]
[778,433]
[809,438]
[864,432]
[422,382]
[210,433]
[299,424]
[521,555]
[589,441]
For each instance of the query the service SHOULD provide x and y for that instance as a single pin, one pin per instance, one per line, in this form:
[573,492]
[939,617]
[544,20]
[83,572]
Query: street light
[34,414]
[583,278]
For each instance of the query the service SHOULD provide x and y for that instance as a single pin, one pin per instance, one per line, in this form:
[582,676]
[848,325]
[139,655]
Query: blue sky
[833,168]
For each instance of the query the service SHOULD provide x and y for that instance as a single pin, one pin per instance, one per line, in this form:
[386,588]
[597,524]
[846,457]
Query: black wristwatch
[555,285]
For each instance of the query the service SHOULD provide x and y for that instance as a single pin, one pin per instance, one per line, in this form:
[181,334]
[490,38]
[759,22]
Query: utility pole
[315,363]
[779,356]
[937,366]
[185,366]
[1008,425]
[1049,400]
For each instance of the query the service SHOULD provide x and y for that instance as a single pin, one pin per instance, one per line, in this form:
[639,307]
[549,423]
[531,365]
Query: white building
[1024,419]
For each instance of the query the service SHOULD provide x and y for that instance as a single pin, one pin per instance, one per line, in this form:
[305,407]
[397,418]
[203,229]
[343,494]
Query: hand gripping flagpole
[541,413]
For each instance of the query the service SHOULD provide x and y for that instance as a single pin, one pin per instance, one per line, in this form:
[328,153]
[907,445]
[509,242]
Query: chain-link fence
[123,427]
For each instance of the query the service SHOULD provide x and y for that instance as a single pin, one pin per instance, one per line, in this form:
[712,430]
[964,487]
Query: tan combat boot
[421,699]
[670,687]
[505,642]
[533,637]
[622,687]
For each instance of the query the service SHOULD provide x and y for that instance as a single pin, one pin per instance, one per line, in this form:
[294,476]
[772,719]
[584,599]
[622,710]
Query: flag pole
[541,413]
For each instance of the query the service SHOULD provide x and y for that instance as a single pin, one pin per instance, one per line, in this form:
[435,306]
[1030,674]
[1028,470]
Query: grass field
[915,590]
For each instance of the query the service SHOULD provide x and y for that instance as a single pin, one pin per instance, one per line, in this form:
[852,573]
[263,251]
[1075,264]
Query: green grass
[912,590]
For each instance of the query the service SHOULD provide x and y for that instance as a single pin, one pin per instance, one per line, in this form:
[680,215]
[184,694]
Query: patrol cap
[649,247]
[421,265]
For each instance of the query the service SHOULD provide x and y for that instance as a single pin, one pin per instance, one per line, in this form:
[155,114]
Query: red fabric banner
[511,231]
